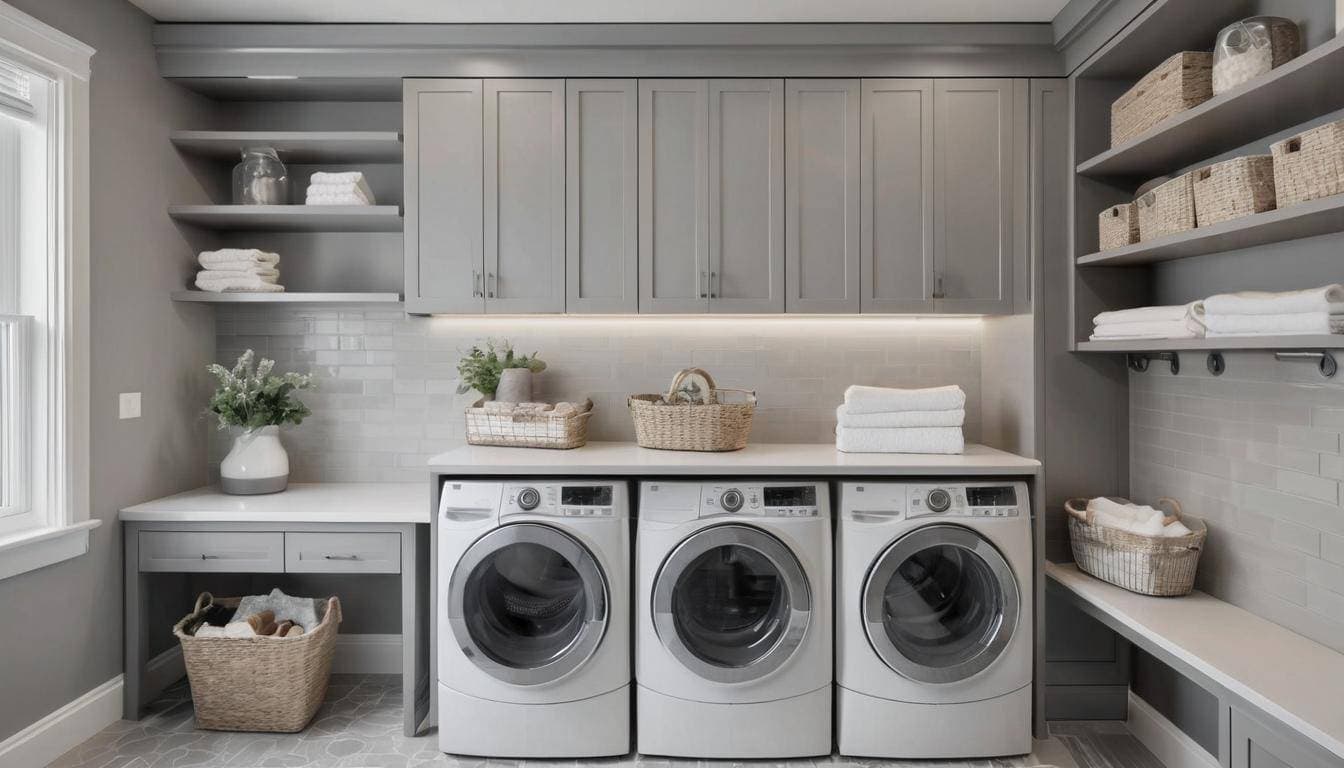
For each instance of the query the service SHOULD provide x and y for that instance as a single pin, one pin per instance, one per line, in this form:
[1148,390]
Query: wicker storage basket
[1177,84]
[1118,226]
[528,430]
[1309,165]
[1234,188]
[1149,565]
[258,683]
[713,426]
[1168,209]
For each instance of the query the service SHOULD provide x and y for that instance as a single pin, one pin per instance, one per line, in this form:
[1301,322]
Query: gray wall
[62,630]
[386,399]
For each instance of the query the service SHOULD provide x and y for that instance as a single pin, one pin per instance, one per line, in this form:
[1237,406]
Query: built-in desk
[335,528]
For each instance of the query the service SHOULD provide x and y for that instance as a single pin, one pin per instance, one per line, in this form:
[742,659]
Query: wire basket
[521,428]
[662,422]
[1149,565]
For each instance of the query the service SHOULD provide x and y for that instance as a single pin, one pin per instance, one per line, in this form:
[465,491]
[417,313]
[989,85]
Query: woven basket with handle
[1150,565]
[257,683]
[541,429]
[661,422]
[1167,209]
[1310,165]
[1234,188]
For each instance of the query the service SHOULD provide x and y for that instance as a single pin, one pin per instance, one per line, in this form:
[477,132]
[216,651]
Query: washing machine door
[940,604]
[527,604]
[731,603]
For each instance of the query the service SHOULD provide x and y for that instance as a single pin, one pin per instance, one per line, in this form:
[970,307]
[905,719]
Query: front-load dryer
[534,618]
[733,641]
[934,620]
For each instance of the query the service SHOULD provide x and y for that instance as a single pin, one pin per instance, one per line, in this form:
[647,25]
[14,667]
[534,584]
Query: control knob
[529,498]
[938,500]
[731,500]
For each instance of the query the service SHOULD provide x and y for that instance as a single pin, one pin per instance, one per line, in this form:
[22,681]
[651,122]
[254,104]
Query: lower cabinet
[1257,745]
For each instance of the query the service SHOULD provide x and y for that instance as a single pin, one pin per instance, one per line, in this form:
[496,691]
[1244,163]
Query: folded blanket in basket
[899,440]
[951,418]
[1135,518]
[1275,325]
[860,399]
[557,410]
[300,610]
[1328,299]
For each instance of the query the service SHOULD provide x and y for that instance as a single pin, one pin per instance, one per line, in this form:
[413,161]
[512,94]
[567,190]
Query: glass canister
[260,179]
[1251,47]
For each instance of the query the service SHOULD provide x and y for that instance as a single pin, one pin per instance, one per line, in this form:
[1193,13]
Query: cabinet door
[524,196]
[443,244]
[746,196]
[673,196]
[602,200]
[896,257]
[973,178]
[1256,745]
[821,196]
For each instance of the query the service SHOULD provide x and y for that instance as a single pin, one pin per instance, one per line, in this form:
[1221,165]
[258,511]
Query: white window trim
[68,522]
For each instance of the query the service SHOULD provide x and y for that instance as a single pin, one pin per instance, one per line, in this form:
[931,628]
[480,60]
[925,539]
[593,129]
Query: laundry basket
[662,422]
[1149,565]
[257,683]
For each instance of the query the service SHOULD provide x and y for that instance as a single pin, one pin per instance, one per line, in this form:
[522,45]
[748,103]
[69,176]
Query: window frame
[60,514]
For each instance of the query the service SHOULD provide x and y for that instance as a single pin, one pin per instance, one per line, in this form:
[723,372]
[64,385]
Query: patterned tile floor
[359,726]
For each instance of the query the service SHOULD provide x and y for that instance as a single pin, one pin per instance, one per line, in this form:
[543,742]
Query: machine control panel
[560,499]
[987,500]
[764,500]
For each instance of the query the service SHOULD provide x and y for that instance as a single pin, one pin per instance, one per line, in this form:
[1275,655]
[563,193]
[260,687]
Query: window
[44,514]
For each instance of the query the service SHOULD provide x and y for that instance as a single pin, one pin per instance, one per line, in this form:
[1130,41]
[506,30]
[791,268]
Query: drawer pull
[341,557]
[209,557]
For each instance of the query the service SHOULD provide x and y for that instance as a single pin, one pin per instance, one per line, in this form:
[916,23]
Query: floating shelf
[291,218]
[300,147]
[1334,341]
[1309,219]
[1304,88]
[296,297]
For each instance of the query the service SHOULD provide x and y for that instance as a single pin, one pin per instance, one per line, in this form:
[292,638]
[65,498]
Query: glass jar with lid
[1251,47]
[260,179]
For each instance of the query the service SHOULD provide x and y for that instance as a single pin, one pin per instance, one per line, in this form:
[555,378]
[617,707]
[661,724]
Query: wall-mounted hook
[1138,361]
[1325,362]
[1215,363]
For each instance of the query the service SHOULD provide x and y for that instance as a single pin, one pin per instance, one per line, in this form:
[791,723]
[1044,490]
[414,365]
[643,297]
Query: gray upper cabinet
[976,141]
[746,196]
[897,240]
[443,196]
[602,197]
[673,196]
[821,188]
[524,196]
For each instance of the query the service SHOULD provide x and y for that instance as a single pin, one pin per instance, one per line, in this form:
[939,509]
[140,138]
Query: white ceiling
[599,11]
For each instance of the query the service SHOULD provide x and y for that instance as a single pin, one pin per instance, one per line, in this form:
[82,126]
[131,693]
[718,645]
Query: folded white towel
[1155,329]
[247,284]
[900,440]
[337,199]
[241,270]
[207,630]
[218,275]
[860,399]
[1150,314]
[1135,518]
[231,256]
[1327,298]
[900,418]
[336,182]
[238,629]
[1273,325]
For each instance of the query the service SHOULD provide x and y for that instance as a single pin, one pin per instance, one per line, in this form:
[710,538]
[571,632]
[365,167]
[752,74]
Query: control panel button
[731,500]
[938,500]
[528,499]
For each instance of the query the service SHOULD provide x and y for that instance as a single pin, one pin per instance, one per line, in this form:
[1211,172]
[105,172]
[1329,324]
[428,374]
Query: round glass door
[731,603]
[527,604]
[940,604]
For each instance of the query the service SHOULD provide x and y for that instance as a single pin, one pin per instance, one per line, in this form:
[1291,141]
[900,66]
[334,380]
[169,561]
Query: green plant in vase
[481,369]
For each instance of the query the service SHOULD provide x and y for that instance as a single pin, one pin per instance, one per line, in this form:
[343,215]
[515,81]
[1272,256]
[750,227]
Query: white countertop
[797,459]
[1287,675]
[301,503]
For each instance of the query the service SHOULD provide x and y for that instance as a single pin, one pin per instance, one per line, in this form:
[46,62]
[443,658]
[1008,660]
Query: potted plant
[256,402]
[498,373]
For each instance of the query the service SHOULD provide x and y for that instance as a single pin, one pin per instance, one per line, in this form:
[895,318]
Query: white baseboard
[367,655]
[1161,736]
[67,727]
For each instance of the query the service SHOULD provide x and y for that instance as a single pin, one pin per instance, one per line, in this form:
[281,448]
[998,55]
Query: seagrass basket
[1118,226]
[1309,165]
[1168,209]
[1234,188]
[522,429]
[257,683]
[662,422]
[1183,81]
[1149,565]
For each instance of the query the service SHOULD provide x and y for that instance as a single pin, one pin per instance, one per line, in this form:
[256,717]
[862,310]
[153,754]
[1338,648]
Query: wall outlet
[130,405]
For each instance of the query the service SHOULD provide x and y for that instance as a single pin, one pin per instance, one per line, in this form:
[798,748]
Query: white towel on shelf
[1151,314]
[952,418]
[341,198]
[240,269]
[1274,325]
[245,284]
[900,440]
[1328,299]
[1155,329]
[232,256]
[336,182]
[861,399]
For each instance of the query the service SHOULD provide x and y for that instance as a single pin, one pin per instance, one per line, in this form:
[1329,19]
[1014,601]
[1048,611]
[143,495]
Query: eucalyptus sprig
[480,369]
[252,398]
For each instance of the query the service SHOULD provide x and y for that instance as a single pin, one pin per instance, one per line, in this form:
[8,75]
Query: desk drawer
[212,551]
[343,552]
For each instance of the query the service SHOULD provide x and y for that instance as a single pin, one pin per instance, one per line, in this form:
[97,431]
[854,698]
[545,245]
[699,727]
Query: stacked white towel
[1259,313]
[1135,518]
[884,420]
[348,188]
[239,270]
[1182,321]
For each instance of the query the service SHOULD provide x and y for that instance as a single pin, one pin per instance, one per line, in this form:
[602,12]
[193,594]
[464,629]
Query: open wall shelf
[300,147]
[1333,341]
[291,218]
[295,297]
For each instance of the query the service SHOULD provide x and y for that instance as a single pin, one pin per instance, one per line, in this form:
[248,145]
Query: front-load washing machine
[733,610]
[533,618]
[934,619]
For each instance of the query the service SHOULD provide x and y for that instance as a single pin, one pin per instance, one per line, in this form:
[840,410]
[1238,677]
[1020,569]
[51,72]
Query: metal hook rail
[1138,361]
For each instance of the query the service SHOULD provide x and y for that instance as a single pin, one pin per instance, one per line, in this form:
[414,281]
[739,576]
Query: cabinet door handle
[341,557]
[938,287]
[475,284]
[700,285]
[209,557]
[491,286]
[715,285]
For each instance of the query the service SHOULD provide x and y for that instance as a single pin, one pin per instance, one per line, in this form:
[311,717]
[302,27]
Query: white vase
[515,386]
[256,464]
